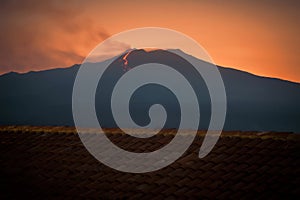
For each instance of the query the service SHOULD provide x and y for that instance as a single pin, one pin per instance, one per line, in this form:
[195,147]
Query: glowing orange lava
[125,58]
[126,67]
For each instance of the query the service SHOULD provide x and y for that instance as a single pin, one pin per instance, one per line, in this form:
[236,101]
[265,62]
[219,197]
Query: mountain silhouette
[253,103]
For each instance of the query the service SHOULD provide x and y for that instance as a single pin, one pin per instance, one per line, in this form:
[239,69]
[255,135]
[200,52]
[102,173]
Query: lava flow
[126,67]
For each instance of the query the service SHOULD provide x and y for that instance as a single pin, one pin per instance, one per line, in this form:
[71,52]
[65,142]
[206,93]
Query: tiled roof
[51,162]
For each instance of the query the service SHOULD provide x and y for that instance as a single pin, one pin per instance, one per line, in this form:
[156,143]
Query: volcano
[254,103]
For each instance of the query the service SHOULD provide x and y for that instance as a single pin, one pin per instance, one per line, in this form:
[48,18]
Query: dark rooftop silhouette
[51,162]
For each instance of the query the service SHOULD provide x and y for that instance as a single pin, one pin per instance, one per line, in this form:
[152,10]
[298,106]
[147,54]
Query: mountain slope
[254,103]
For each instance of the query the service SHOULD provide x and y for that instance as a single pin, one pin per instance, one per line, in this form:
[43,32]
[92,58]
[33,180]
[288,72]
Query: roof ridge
[72,130]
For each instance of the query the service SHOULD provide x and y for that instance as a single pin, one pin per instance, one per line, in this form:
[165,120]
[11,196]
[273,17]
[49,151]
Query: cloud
[45,34]
[108,49]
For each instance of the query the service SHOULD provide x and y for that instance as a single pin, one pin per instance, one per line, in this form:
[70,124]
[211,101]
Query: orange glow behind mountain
[258,37]
[150,49]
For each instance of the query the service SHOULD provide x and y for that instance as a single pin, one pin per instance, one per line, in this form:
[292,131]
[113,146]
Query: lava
[126,67]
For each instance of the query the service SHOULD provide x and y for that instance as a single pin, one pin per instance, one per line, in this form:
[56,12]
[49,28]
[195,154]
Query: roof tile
[51,162]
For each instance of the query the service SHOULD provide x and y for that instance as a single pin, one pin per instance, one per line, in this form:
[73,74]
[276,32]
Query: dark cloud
[45,34]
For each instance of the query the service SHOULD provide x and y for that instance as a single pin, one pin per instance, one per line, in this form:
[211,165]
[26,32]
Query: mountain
[253,103]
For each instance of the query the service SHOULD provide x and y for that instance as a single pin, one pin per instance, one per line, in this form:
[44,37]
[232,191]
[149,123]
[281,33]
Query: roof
[51,162]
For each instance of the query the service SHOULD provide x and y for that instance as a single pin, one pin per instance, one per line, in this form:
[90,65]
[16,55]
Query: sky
[258,37]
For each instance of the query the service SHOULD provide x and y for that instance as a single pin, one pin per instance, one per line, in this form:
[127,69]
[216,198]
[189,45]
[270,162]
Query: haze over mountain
[254,103]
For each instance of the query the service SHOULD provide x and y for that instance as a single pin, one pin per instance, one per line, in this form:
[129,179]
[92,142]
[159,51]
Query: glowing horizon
[255,37]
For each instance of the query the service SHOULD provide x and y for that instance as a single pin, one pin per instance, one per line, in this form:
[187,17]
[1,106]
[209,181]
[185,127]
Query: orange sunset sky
[259,37]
